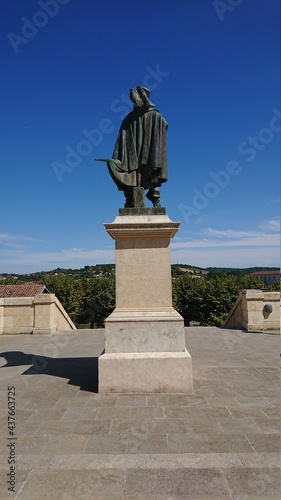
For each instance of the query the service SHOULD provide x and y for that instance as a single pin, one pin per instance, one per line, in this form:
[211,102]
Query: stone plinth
[42,314]
[249,311]
[144,336]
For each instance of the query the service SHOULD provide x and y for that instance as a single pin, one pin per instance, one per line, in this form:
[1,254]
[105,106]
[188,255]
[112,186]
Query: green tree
[101,291]
[86,300]
[69,291]
[275,287]
[208,300]
[10,280]
[90,312]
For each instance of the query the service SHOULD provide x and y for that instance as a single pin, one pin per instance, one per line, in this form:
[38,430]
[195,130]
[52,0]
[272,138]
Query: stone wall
[42,314]
[251,312]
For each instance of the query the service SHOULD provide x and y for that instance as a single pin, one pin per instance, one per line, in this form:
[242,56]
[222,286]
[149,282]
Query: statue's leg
[128,198]
[155,178]
[139,179]
[154,196]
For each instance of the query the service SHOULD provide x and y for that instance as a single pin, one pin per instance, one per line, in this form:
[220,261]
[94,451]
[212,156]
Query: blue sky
[213,71]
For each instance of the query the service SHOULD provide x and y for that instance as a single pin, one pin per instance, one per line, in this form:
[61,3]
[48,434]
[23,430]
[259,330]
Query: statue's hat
[144,90]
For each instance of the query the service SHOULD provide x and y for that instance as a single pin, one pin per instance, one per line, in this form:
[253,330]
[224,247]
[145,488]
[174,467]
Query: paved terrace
[72,443]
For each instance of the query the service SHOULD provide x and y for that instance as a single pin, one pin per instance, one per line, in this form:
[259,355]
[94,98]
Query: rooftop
[29,289]
[220,443]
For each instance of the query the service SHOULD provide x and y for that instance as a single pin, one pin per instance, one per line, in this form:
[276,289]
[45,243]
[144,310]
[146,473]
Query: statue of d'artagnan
[139,157]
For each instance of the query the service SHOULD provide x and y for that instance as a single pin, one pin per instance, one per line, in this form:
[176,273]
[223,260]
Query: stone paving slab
[73,443]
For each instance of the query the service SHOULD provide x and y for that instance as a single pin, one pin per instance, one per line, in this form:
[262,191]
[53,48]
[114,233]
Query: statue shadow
[81,372]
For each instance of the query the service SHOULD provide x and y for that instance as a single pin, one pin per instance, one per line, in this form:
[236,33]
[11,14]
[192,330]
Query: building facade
[268,277]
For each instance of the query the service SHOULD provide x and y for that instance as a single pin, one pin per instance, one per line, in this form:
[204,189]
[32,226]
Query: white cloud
[15,240]
[231,248]
[273,202]
[251,240]
[229,233]
[210,247]
[18,261]
[238,257]
[271,225]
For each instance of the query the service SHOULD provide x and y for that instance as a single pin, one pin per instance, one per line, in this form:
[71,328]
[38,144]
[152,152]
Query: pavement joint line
[227,485]
[29,475]
[245,435]
[167,440]
[124,484]
[86,444]
[156,461]
[264,413]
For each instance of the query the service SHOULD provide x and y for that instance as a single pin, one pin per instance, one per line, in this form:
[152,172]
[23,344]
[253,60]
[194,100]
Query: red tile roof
[29,289]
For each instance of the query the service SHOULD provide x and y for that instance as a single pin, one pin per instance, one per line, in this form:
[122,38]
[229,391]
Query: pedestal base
[146,372]
[144,336]
[144,331]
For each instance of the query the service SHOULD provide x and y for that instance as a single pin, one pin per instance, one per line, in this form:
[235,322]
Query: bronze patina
[139,159]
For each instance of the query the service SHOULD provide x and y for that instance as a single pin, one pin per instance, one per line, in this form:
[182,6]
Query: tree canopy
[208,300]
[87,300]
[204,299]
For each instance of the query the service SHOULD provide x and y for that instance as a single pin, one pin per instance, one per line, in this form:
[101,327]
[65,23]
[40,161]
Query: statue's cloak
[141,144]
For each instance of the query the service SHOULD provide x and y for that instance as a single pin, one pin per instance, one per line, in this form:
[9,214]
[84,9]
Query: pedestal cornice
[139,226]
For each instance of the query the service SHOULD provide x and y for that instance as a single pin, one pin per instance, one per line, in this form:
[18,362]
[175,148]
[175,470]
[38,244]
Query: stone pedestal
[44,314]
[144,336]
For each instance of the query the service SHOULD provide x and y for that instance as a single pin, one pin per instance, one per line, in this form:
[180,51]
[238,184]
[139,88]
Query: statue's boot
[154,196]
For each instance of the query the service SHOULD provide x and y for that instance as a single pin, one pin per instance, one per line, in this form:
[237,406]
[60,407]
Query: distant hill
[181,269]
[86,272]
[109,269]
[237,270]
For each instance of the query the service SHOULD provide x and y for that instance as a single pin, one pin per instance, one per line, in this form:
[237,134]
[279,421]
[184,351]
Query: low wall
[255,310]
[41,314]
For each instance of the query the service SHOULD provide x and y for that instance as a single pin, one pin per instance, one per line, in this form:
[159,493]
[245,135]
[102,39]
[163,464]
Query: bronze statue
[139,158]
